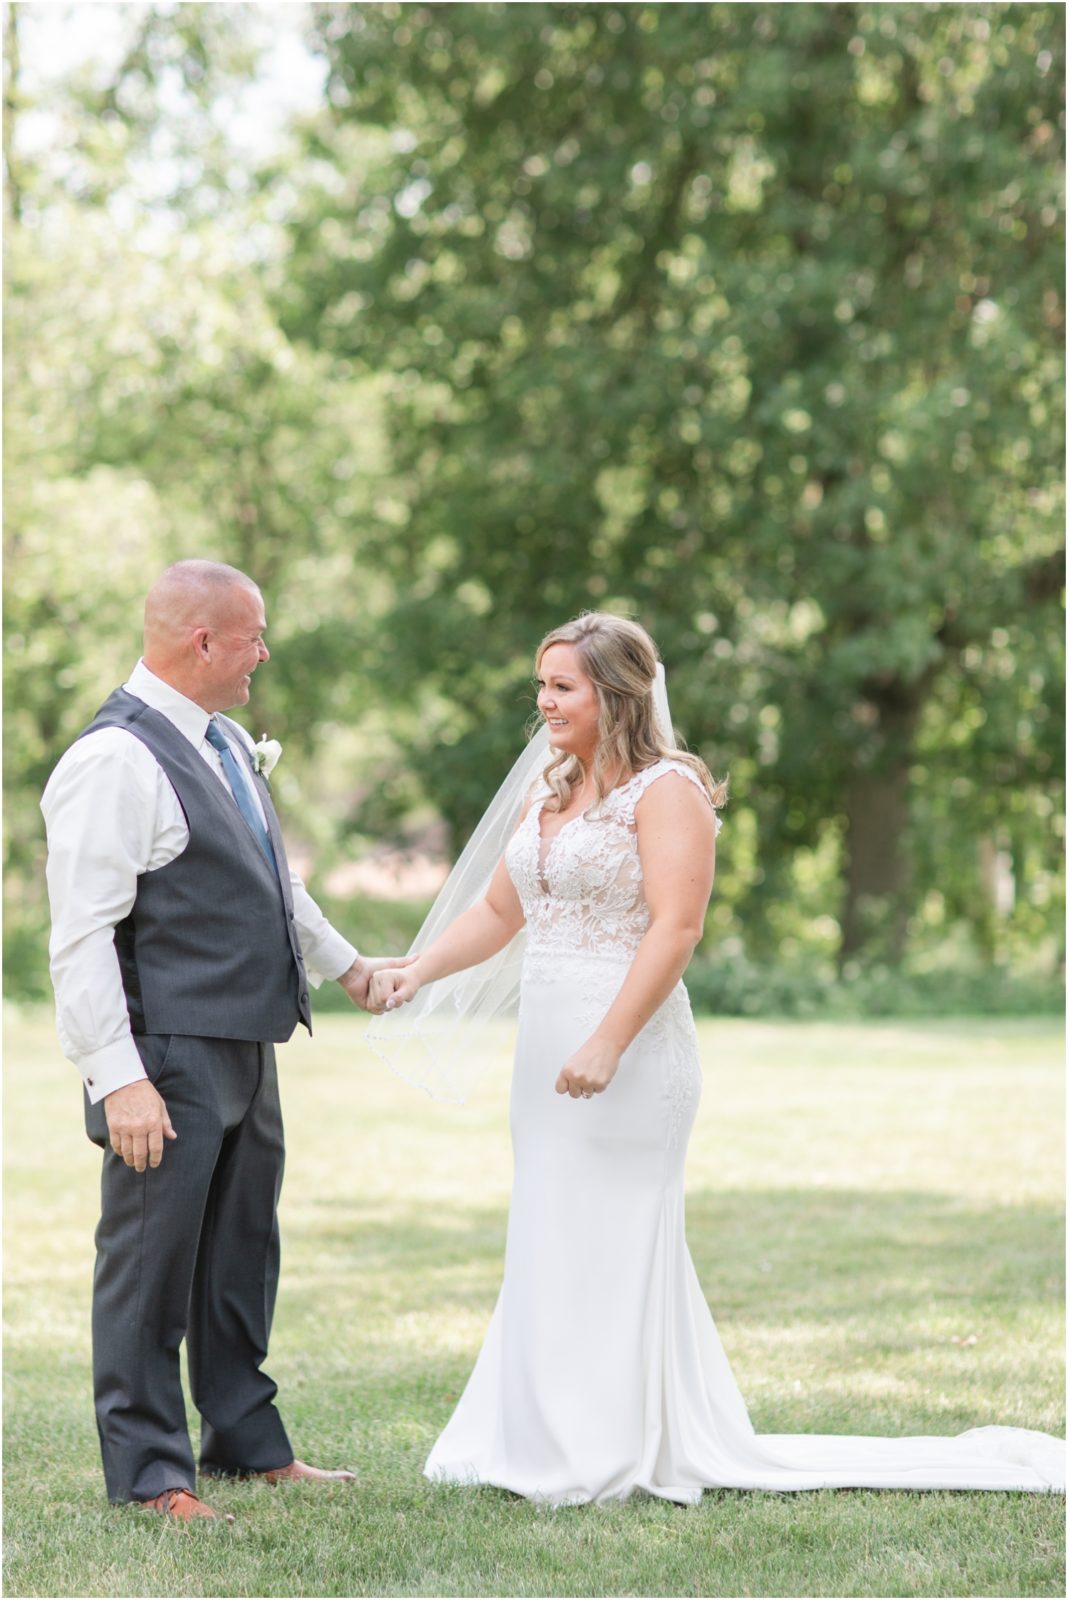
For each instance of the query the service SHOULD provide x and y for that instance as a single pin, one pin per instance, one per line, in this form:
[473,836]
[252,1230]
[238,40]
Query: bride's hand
[589,1071]
[356,982]
[391,987]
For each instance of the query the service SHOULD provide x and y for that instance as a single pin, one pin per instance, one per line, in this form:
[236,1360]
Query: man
[178,952]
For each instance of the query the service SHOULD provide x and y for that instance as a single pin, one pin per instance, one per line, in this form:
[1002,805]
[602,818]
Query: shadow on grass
[837,1309]
[859,1292]
[854,1275]
[841,1250]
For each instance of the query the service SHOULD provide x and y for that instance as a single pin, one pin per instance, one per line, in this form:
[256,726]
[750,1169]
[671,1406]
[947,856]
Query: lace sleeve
[645,779]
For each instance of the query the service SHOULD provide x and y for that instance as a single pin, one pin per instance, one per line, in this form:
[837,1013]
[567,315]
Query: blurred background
[448,322]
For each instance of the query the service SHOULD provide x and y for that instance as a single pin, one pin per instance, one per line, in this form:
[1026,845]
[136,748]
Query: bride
[602,1371]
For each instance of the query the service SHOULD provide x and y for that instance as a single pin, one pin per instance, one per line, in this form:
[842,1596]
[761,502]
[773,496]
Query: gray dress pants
[190,1250]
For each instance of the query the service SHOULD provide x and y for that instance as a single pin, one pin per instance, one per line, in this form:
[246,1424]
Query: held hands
[138,1124]
[589,1071]
[356,982]
[391,987]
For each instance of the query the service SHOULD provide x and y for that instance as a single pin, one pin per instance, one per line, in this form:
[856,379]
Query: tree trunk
[878,878]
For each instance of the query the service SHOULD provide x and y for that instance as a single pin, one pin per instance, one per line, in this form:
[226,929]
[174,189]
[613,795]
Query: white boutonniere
[265,755]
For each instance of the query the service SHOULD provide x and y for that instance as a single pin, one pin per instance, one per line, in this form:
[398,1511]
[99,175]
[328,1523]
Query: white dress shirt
[111,813]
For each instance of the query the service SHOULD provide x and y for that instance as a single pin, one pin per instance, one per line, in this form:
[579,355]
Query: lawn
[875,1213]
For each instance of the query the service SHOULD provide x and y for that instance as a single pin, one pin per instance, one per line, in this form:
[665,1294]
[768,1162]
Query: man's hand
[589,1071]
[138,1124]
[356,981]
[392,986]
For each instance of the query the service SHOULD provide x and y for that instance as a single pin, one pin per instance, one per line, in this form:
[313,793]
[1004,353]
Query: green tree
[155,410]
[746,319]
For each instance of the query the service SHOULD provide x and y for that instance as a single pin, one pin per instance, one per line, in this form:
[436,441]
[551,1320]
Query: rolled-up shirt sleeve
[100,814]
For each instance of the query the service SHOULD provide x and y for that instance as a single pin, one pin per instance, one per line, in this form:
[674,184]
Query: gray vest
[210,947]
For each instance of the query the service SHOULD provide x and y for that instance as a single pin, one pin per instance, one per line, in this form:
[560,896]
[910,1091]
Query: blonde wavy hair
[620,660]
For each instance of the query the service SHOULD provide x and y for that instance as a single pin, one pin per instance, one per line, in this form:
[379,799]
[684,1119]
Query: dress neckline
[545,845]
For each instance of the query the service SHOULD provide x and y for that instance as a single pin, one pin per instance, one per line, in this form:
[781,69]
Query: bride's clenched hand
[391,987]
[589,1071]
[356,982]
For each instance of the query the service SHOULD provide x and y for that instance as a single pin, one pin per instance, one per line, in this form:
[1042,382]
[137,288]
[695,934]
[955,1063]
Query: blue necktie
[218,741]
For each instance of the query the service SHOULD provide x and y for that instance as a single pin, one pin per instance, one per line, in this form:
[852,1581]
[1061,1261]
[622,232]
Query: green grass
[858,1197]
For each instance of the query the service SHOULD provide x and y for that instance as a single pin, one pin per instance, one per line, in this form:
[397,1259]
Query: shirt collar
[190,719]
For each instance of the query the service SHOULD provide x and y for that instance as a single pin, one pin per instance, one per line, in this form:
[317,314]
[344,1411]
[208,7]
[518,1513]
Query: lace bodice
[581,890]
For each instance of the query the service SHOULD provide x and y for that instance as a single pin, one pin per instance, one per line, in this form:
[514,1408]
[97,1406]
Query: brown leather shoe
[301,1470]
[184,1506]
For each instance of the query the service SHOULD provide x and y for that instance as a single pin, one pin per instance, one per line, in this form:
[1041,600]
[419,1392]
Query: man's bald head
[188,593]
[203,631]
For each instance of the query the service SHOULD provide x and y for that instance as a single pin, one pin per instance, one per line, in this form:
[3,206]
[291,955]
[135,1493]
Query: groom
[182,947]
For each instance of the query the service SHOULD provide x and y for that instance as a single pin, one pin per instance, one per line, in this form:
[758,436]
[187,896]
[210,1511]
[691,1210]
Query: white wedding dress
[602,1371]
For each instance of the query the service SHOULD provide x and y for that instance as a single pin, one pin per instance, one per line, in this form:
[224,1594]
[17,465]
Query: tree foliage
[743,319]
[746,320]
[156,410]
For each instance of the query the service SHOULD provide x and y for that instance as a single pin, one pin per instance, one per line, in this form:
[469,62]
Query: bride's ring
[587,1094]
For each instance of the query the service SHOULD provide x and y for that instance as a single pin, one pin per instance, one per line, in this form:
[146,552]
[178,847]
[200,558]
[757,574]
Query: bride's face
[568,701]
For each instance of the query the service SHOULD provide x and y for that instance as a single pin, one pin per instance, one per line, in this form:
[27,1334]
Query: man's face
[235,647]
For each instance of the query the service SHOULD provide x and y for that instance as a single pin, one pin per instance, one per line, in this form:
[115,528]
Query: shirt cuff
[333,956]
[110,1068]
